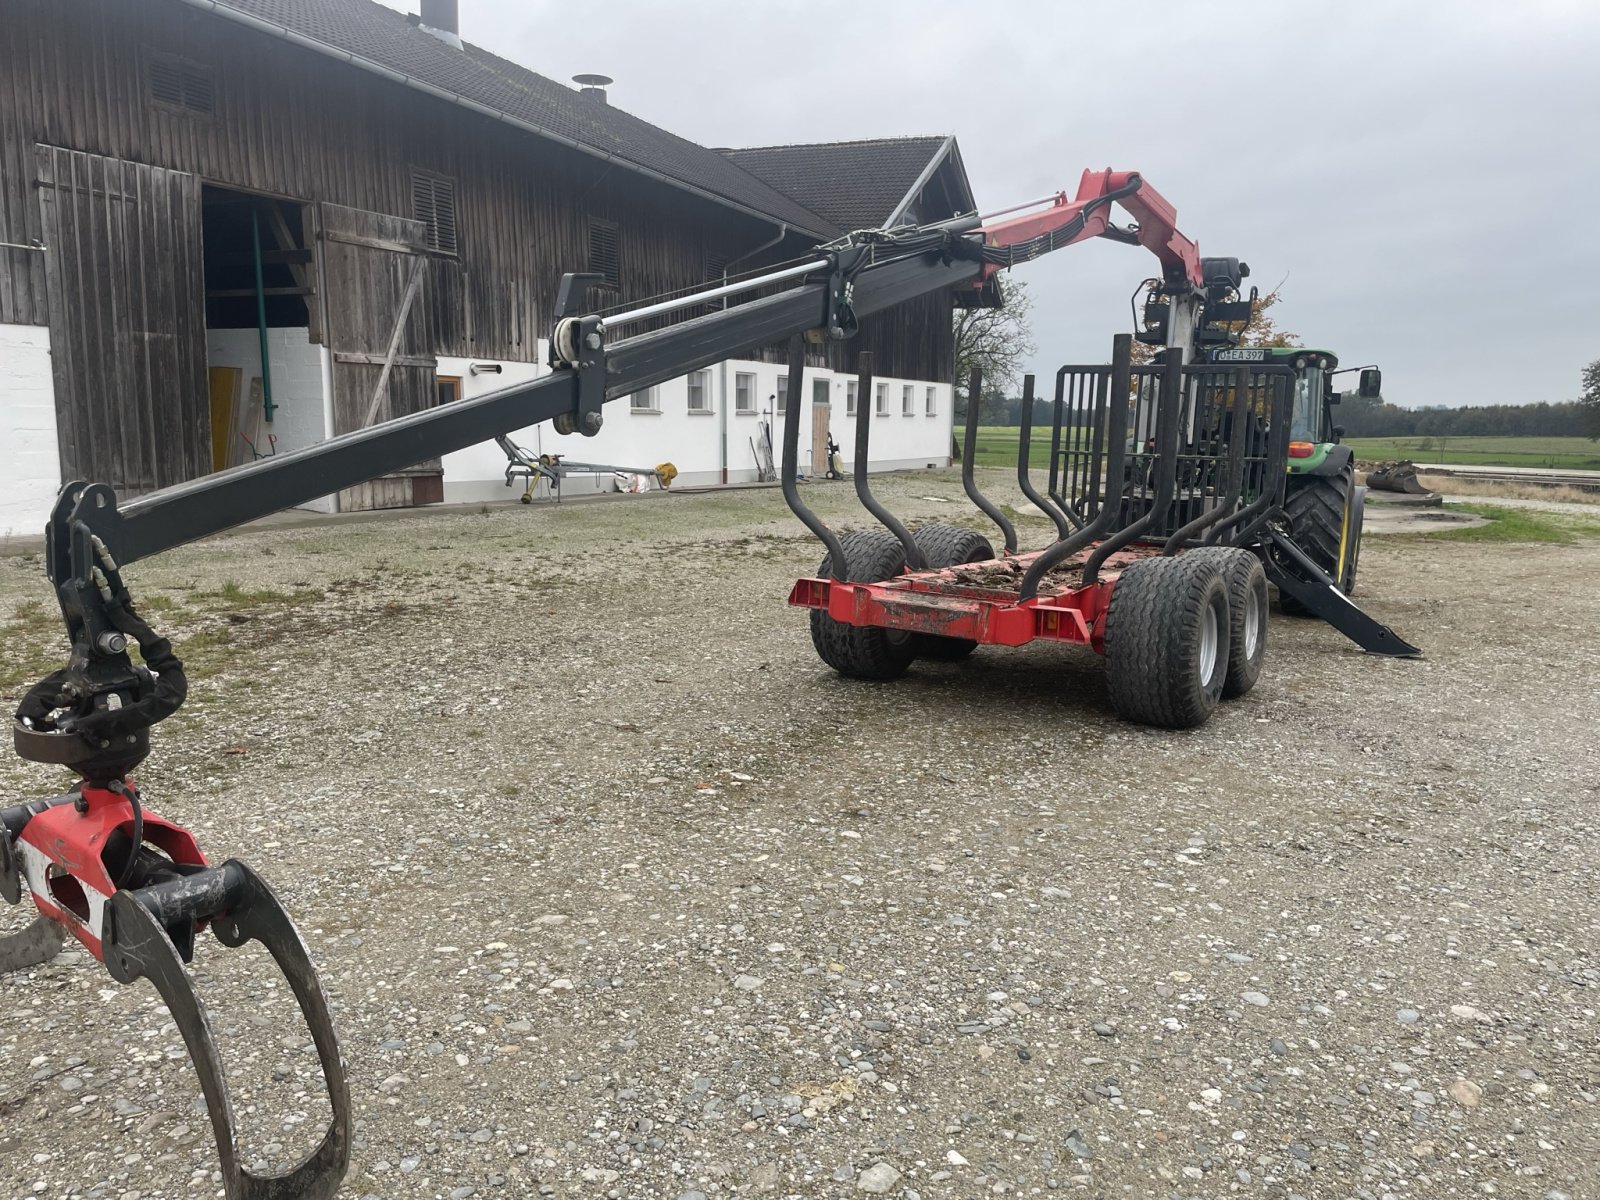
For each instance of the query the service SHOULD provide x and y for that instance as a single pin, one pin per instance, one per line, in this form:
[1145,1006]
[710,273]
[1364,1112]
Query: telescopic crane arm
[135,889]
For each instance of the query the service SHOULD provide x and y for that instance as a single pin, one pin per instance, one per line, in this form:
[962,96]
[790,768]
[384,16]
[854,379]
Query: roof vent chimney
[442,18]
[593,86]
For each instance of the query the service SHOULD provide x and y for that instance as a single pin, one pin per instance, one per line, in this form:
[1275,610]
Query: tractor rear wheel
[1167,641]
[948,546]
[1246,581]
[864,651]
[1325,520]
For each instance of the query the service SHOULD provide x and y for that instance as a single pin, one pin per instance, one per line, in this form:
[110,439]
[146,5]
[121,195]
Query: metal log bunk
[1146,462]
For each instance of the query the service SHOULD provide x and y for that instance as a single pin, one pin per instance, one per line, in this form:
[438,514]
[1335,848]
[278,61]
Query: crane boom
[135,889]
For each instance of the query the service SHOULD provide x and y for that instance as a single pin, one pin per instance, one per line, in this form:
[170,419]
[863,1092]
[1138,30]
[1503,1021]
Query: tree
[995,340]
[1590,400]
[1261,329]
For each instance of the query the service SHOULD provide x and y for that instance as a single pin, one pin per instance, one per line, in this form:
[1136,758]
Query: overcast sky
[1424,175]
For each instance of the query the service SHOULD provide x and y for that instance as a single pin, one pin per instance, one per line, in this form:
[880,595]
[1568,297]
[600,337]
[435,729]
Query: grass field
[1573,453]
[997,447]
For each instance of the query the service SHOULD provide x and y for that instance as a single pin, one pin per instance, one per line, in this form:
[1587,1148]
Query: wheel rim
[1208,644]
[1252,624]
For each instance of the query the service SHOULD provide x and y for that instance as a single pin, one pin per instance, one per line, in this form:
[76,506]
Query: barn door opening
[263,326]
[127,319]
[375,268]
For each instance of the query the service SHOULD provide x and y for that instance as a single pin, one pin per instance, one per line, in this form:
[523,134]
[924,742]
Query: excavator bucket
[1396,477]
[134,890]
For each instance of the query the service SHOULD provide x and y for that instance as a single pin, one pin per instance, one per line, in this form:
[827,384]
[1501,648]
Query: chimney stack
[442,18]
[593,86]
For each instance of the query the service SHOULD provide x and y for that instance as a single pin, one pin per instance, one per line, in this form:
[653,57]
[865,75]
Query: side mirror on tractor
[1371,386]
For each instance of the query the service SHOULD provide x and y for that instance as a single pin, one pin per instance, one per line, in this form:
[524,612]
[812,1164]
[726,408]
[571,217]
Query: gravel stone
[521,708]
[877,1179]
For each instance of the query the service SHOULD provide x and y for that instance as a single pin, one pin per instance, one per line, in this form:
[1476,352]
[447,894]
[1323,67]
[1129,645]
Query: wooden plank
[377,360]
[379,389]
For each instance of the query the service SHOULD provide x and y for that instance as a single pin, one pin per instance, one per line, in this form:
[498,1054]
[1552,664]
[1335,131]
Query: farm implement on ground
[533,468]
[136,890]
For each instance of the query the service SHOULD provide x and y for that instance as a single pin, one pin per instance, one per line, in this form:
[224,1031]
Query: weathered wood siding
[293,123]
[296,124]
[129,356]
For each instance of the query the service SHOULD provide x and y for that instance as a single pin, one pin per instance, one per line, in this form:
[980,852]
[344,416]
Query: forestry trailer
[136,890]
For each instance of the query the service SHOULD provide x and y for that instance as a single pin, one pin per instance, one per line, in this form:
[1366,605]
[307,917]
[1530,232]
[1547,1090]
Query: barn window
[433,202]
[178,83]
[744,393]
[603,251]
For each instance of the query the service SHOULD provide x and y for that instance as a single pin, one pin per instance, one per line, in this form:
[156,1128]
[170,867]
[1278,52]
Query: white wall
[30,463]
[299,390]
[693,441]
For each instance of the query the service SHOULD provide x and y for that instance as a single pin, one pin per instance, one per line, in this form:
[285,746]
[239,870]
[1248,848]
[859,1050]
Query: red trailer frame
[977,602]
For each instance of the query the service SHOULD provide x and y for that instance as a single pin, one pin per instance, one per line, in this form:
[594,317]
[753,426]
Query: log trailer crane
[134,888]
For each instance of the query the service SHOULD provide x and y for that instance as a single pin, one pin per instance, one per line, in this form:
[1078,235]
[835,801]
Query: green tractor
[1324,506]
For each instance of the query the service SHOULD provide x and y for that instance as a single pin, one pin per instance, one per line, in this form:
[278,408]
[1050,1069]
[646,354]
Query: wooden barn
[234,227]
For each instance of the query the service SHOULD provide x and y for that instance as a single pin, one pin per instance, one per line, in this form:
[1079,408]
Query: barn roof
[856,185]
[378,39]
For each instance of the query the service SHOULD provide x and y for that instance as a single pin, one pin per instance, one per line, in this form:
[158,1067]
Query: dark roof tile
[856,185]
[387,38]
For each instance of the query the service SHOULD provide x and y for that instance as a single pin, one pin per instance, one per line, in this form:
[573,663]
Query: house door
[819,426]
[127,319]
[375,270]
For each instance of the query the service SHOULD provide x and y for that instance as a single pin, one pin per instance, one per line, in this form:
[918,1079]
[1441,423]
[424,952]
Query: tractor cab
[1312,420]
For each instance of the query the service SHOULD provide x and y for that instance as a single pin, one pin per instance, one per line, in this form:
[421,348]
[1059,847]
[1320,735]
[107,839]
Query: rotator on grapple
[132,887]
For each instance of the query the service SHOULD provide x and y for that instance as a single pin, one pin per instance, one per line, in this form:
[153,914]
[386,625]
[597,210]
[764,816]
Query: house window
[850,386]
[433,202]
[882,400]
[783,394]
[744,393]
[178,83]
[603,251]
[908,400]
[645,401]
[699,391]
[930,402]
[448,389]
[820,391]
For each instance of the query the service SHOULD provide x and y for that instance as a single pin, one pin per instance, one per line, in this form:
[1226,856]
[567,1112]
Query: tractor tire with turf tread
[1246,581]
[1316,512]
[1153,641]
[948,546]
[864,651]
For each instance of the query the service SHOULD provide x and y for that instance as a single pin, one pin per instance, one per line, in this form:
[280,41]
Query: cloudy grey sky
[1424,175]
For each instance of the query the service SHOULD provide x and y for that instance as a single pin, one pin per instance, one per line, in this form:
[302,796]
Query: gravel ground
[618,892]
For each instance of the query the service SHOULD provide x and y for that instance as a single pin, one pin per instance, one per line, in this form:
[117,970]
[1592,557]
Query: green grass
[1521,525]
[998,445]
[1571,453]
[232,593]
